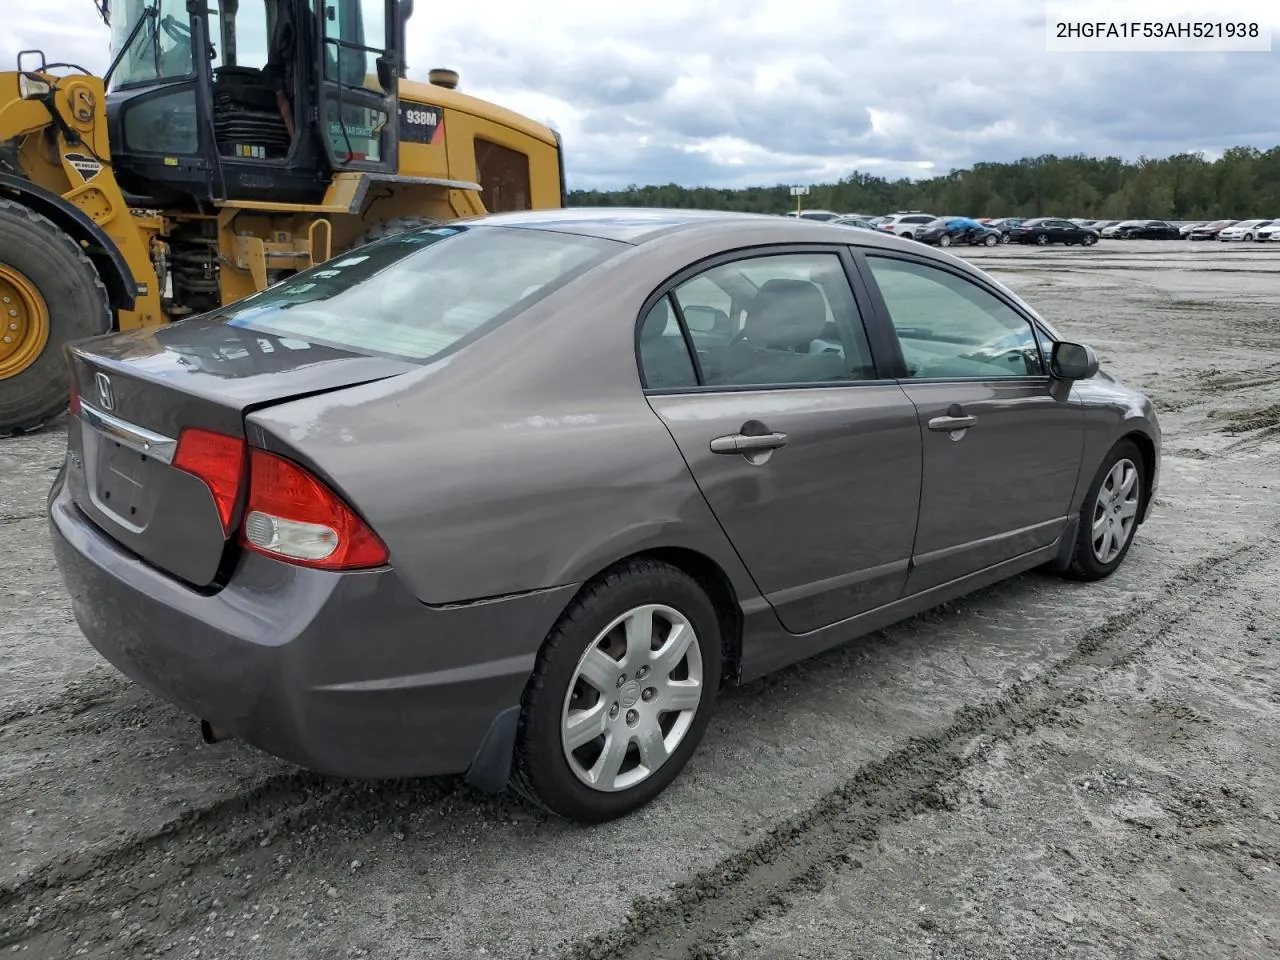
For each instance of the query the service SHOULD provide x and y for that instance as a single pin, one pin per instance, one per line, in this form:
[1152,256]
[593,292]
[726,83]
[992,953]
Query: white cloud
[766,91]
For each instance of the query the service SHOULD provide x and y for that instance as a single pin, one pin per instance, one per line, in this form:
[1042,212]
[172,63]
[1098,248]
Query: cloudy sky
[704,92]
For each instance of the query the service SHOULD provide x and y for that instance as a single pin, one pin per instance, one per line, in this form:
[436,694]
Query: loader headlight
[32,88]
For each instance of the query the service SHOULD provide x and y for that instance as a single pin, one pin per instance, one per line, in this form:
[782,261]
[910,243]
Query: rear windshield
[417,295]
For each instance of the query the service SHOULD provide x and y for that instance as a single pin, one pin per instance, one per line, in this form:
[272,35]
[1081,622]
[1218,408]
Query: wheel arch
[1147,447]
[712,578]
[122,288]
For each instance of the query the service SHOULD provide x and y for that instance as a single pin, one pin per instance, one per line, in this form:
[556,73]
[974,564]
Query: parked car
[1270,233]
[1046,230]
[1209,231]
[858,222]
[820,215]
[1142,230]
[945,231]
[1184,229]
[1244,230]
[906,224]
[1005,225]
[318,519]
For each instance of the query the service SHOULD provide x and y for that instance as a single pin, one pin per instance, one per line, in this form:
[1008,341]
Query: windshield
[416,295]
[162,48]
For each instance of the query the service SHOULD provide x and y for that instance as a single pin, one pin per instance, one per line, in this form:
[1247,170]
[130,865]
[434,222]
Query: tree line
[1244,182]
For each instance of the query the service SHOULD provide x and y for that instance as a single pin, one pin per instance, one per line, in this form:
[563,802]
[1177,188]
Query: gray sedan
[515,497]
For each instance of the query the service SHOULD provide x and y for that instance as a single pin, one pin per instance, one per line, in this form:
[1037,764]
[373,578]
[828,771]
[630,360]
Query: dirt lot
[1043,770]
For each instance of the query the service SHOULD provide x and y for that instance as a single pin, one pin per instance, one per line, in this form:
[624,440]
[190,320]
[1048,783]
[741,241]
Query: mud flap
[1066,545]
[491,768]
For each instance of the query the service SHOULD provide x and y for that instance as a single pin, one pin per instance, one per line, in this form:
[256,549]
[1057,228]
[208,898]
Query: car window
[665,363]
[950,327]
[792,319]
[418,294]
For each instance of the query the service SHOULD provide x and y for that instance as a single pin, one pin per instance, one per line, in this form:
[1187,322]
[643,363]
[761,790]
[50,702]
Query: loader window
[504,177]
[355,34]
[160,51]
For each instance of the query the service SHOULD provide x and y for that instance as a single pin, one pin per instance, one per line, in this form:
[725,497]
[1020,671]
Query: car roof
[639,225]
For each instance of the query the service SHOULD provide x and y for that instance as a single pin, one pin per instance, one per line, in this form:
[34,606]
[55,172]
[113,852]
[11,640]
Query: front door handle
[749,443]
[947,424]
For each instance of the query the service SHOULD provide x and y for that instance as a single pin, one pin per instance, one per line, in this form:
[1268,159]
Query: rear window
[417,295]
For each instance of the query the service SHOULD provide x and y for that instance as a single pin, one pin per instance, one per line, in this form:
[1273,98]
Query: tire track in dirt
[82,898]
[799,855]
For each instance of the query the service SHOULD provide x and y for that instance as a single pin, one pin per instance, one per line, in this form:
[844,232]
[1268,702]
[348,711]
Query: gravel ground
[1043,769]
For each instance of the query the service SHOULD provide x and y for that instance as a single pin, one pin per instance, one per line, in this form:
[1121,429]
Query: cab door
[358,112]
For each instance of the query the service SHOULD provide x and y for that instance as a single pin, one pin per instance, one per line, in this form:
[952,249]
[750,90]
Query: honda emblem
[105,395]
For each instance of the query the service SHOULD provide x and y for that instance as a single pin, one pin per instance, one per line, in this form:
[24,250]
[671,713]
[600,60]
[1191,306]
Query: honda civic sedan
[515,497]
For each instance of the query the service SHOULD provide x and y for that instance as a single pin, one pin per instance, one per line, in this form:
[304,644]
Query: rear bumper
[346,674]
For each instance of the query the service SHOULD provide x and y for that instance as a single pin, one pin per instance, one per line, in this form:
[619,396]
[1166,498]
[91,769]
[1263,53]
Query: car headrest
[786,313]
[656,322]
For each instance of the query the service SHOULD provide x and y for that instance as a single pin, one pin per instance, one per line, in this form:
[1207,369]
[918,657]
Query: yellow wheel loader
[229,144]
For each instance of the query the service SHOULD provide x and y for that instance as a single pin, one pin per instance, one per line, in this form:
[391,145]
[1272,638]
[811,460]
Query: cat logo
[87,167]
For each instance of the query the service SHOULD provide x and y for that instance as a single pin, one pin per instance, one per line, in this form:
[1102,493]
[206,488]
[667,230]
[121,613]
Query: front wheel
[1005,238]
[621,694]
[1089,240]
[1109,515]
[50,294]
[989,240]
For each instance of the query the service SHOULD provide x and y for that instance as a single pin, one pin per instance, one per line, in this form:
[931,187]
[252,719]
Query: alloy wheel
[632,698]
[1115,511]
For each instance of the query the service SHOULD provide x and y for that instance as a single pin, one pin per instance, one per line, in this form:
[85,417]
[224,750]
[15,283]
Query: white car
[1268,234]
[1244,230]
[906,224]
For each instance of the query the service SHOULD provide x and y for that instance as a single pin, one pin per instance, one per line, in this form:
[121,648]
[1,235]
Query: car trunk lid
[169,497]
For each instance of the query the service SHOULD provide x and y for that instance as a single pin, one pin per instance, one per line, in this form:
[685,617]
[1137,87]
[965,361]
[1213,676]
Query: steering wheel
[178,31]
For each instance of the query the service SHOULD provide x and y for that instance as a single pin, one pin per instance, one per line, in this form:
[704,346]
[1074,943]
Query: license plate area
[122,481]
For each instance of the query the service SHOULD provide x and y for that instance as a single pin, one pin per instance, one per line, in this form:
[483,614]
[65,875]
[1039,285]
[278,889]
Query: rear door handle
[947,424]
[749,443]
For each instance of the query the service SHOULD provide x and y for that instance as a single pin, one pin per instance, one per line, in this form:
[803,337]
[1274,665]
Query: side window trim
[667,289]
[677,311]
[859,256]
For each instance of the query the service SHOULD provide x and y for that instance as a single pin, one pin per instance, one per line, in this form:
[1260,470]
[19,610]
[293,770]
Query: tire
[1042,239]
[1086,564]
[391,227]
[40,259]
[1004,238]
[1089,240]
[990,240]
[554,777]
[944,241]
[1248,237]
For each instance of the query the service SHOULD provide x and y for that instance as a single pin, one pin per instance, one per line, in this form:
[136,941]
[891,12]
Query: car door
[809,459]
[1002,440]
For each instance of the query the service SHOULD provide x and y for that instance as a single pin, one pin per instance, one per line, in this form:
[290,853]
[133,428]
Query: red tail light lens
[292,516]
[74,403]
[218,460]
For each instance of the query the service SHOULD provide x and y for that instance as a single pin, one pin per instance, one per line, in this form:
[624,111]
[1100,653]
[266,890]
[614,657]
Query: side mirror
[1072,361]
[386,74]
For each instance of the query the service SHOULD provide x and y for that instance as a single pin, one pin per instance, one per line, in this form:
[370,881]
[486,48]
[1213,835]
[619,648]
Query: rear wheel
[1042,239]
[1089,240]
[622,691]
[50,294]
[944,241]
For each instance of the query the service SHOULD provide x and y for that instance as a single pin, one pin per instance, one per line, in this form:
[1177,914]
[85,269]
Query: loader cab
[212,100]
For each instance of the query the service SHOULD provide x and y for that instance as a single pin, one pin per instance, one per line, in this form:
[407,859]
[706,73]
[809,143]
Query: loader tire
[54,296]
[392,226]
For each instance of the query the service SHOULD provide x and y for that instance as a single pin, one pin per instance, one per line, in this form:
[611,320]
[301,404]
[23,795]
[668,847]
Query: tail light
[74,401]
[292,516]
[218,460]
